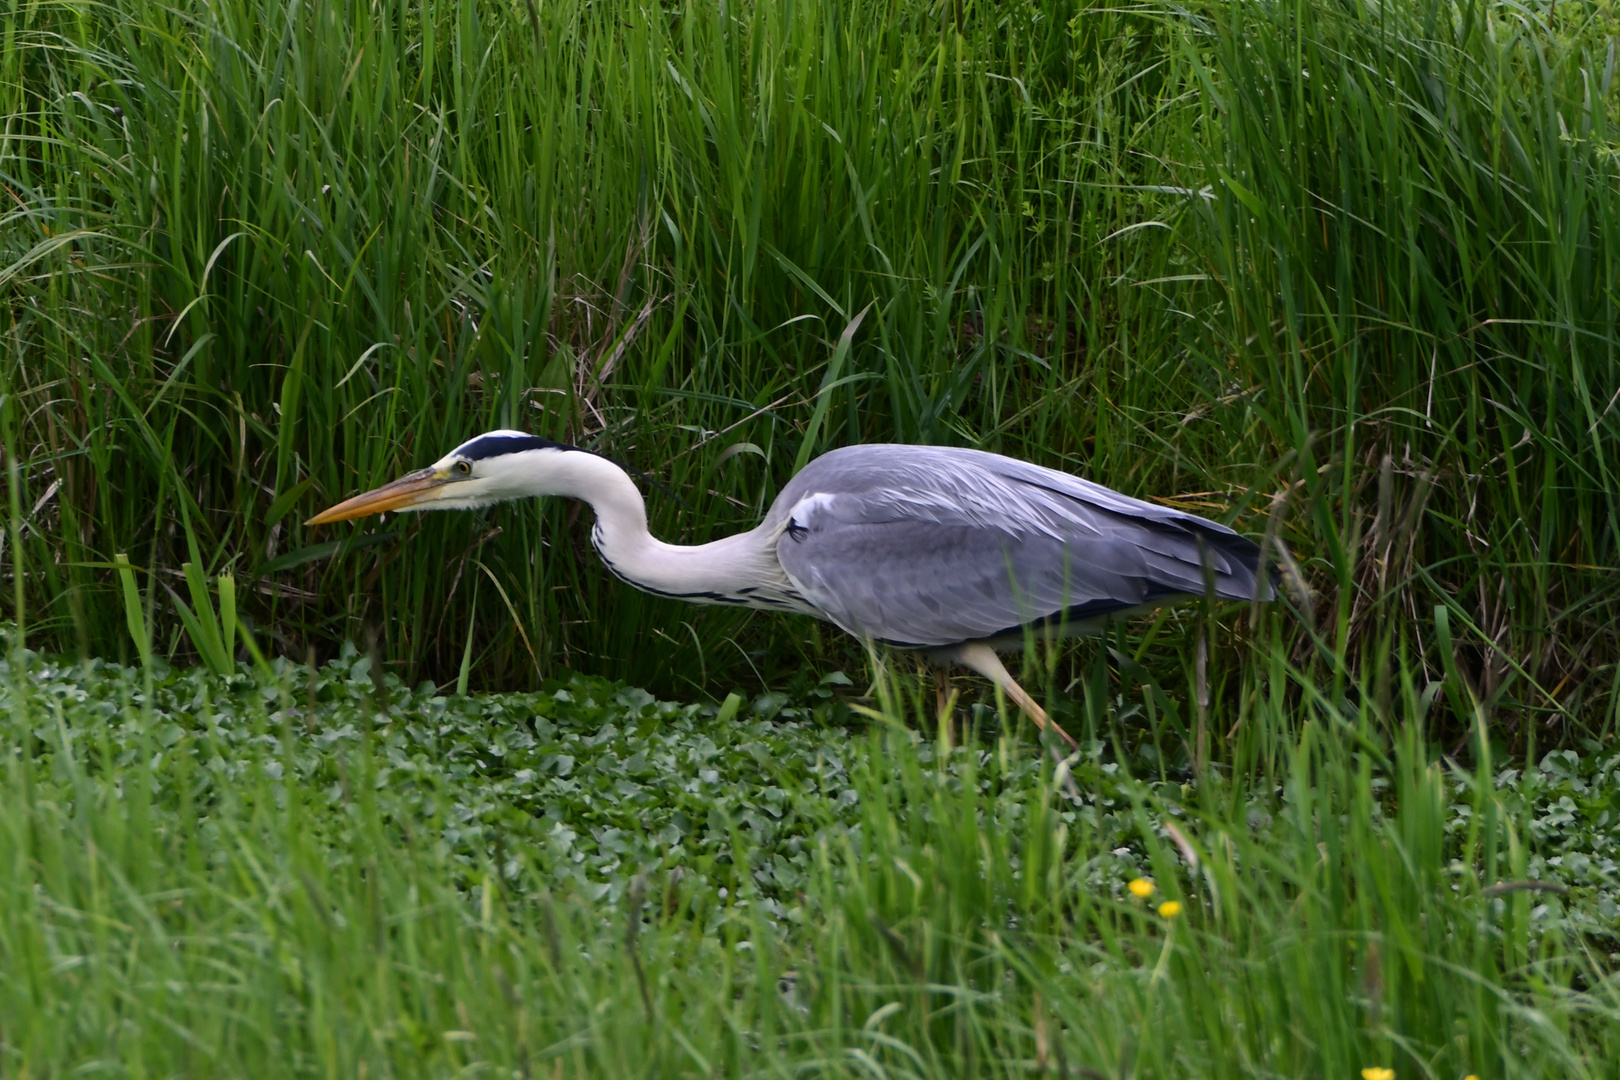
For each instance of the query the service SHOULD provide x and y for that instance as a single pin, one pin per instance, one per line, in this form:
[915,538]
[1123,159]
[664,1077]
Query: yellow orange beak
[417,487]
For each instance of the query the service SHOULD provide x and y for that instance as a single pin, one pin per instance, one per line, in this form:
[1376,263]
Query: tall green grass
[277,875]
[1416,243]
[1340,272]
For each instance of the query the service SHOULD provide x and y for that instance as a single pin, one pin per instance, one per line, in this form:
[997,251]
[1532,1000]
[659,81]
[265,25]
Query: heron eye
[463,468]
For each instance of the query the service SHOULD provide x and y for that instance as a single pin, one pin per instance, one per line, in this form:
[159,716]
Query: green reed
[1343,273]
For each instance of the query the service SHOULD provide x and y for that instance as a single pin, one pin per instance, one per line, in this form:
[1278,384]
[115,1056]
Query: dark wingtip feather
[1244,555]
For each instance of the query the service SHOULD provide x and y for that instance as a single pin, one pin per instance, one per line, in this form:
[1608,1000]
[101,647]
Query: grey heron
[955,553]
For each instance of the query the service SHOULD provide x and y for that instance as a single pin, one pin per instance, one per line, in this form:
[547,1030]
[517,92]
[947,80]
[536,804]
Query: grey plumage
[954,552]
[933,546]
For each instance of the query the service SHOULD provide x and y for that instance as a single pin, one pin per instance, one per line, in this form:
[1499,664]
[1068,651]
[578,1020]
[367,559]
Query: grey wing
[925,546]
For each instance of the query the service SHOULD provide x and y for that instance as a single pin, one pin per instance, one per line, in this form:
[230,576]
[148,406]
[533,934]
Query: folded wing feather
[931,546]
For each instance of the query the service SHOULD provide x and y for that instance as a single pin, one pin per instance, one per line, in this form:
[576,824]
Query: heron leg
[982,658]
[976,656]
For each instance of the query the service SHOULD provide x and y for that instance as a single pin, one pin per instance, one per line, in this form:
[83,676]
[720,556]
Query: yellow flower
[1377,1074]
[1470,1076]
[1141,888]
[1171,908]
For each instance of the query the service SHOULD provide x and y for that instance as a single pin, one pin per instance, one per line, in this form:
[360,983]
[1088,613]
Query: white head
[491,468]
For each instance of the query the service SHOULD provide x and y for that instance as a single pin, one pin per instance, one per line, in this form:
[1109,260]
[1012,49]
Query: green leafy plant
[394,881]
[134,612]
[212,635]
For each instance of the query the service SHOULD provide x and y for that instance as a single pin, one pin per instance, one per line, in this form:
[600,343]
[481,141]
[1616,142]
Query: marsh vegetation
[1345,276]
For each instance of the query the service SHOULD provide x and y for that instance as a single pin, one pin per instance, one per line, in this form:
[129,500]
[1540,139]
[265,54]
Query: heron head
[490,468]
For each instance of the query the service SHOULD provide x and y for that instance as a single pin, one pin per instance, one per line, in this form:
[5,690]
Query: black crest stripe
[488,446]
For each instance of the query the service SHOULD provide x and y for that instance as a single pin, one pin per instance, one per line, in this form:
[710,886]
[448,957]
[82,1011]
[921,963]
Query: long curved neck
[740,569]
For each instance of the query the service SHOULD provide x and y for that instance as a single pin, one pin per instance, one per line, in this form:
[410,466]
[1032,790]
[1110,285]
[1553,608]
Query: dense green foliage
[1344,275]
[307,873]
